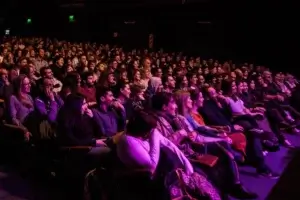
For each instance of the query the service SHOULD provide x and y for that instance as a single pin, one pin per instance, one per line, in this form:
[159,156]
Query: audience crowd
[184,119]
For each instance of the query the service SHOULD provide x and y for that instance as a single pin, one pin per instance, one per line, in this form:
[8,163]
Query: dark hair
[73,103]
[120,86]
[161,99]
[101,92]
[194,95]
[141,123]
[43,70]
[136,89]
[164,79]
[25,70]
[71,82]
[86,75]
[226,87]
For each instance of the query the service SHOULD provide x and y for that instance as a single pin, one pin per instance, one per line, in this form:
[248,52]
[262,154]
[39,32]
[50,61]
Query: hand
[280,98]
[27,136]
[118,105]
[192,135]
[222,134]
[228,140]
[213,129]
[16,122]
[50,94]
[6,82]
[238,127]
[261,109]
[100,142]
[89,112]
[141,97]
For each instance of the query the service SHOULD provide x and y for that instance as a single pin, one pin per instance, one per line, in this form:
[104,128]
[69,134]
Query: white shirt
[237,107]
[144,154]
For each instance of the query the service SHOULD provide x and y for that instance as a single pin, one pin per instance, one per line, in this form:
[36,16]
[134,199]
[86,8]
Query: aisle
[13,187]
[277,162]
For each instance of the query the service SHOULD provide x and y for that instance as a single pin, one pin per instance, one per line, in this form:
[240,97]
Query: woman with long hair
[247,118]
[21,103]
[76,127]
[221,149]
[140,149]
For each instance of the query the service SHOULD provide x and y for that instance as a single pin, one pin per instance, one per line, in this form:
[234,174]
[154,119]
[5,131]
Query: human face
[200,100]
[159,73]
[47,85]
[171,82]
[182,64]
[148,74]
[31,72]
[201,79]
[108,98]
[185,82]
[137,76]
[111,79]
[60,62]
[147,64]
[189,103]
[240,87]
[84,107]
[4,76]
[69,68]
[48,73]
[23,62]
[233,76]
[90,80]
[25,85]
[41,53]
[115,65]
[245,89]
[83,59]
[194,80]
[135,65]
[124,75]
[171,108]
[126,91]
[212,93]
[234,88]
[252,85]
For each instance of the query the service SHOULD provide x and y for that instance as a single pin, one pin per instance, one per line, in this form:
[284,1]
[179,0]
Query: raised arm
[131,152]
[41,108]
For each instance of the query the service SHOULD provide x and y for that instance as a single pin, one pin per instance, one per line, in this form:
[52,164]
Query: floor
[277,162]
[13,187]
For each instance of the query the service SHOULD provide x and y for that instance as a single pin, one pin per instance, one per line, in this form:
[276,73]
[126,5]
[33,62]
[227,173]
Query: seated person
[214,116]
[273,120]
[124,92]
[6,91]
[76,127]
[279,100]
[46,72]
[48,102]
[21,103]
[197,122]
[140,146]
[243,116]
[177,129]
[88,90]
[110,114]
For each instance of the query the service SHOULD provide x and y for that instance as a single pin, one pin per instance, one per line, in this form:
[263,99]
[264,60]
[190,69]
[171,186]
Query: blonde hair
[181,98]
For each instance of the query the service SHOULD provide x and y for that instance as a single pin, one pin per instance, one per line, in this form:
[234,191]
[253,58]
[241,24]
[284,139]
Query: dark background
[264,33]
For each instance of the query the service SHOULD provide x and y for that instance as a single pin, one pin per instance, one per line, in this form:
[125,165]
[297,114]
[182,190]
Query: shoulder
[13,98]
[38,100]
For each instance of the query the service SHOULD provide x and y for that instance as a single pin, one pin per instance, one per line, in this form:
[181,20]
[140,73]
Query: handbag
[182,186]
[239,142]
